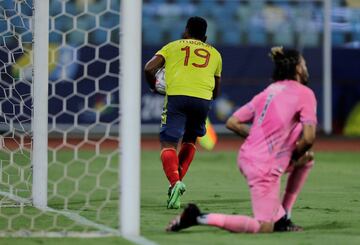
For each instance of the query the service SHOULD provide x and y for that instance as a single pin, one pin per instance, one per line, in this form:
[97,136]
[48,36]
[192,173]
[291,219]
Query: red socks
[170,163]
[175,166]
[186,156]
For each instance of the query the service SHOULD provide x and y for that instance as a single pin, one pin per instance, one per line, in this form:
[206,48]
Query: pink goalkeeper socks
[295,183]
[233,223]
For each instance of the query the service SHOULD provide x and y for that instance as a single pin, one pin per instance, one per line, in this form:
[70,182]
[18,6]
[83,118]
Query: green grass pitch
[328,207]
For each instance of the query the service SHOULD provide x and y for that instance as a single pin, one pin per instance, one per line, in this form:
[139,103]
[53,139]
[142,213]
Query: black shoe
[285,224]
[186,219]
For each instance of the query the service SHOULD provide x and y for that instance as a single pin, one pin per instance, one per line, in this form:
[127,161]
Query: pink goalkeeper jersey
[276,115]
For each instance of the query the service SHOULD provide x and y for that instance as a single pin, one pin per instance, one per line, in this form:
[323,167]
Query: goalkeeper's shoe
[176,192]
[285,224]
[186,219]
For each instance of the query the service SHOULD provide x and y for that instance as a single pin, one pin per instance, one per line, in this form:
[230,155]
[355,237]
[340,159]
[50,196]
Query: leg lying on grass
[192,216]
[233,223]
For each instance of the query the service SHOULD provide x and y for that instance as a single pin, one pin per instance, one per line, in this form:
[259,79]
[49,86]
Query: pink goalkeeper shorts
[264,191]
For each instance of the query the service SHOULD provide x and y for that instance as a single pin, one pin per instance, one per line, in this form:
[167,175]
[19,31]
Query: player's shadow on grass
[324,210]
[200,230]
[334,225]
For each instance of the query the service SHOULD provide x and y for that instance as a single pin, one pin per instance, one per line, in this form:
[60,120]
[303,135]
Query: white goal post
[70,118]
[130,112]
[40,103]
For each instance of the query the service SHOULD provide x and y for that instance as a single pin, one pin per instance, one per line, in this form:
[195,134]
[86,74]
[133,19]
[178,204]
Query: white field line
[139,240]
[15,198]
[103,230]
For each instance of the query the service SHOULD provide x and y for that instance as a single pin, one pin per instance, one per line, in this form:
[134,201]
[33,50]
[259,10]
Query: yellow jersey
[190,67]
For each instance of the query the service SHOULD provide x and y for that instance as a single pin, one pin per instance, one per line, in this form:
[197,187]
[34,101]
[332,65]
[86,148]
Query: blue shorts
[183,117]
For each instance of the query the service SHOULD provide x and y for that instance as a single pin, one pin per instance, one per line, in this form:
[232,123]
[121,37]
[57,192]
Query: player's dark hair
[197,27]
[285,61]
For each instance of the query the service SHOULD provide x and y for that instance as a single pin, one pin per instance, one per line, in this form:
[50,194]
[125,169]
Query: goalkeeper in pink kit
[283,124]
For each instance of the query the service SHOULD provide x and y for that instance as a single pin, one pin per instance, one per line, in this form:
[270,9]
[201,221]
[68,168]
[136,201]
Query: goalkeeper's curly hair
[285,61]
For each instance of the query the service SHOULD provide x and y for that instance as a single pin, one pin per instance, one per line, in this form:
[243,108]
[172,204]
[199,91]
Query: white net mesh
[83,116]
[15,99]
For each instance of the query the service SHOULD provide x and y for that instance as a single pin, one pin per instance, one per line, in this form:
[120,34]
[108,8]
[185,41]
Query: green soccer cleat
[174,198]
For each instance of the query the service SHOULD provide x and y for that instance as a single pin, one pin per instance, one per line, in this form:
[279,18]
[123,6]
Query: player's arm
[240,128]
[306,142]
[150,69]
[309,121]
[217,76]
[240,120]
[216,90]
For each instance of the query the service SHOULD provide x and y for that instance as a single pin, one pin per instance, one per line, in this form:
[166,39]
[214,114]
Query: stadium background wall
[241,79]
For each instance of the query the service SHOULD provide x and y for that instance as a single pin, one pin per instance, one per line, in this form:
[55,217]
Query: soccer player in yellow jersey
[193,70]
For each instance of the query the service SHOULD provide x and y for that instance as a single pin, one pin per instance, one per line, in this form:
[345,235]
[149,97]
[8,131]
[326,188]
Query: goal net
[83,118]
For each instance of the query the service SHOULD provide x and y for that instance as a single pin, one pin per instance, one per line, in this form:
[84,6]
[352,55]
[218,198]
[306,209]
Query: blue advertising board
[85,90]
